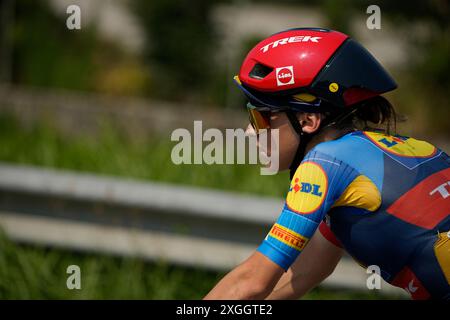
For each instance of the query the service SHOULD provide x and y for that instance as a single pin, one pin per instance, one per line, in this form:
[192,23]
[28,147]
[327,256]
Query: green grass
[34,272]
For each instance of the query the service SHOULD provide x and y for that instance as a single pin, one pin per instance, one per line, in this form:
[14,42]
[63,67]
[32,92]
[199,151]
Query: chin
[283,168]
[285,164]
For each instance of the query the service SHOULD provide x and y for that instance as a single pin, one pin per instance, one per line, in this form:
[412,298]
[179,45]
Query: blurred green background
[183,54]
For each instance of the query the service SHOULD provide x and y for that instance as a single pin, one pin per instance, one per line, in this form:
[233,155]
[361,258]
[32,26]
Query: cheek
[287,139]
[288,143]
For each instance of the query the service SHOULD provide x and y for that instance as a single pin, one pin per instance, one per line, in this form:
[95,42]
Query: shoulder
[348,171]
[348,147]
[321,177]
[352,151]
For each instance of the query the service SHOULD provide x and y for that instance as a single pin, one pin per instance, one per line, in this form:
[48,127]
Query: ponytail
[376,113]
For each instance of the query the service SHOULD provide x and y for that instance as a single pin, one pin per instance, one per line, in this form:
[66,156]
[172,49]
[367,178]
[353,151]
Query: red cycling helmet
[311,70]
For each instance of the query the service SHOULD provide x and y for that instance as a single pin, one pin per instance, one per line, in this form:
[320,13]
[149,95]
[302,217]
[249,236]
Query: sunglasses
[260,116]
[258,119]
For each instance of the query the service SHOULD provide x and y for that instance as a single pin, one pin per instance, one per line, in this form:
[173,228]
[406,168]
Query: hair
[374,114]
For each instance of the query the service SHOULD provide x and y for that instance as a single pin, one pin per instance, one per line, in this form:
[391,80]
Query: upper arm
[318,183]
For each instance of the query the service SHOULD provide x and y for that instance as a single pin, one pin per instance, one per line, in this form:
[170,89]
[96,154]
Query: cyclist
[382,197]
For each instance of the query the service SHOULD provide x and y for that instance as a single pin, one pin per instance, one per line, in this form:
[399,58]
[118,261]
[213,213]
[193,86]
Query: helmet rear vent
[260,71]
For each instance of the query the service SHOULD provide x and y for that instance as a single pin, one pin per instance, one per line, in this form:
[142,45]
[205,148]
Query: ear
[310,122]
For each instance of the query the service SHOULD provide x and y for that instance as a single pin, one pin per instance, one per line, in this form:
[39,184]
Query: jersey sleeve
[318,183]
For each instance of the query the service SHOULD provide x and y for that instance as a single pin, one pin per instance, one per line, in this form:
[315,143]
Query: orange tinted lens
[258,120]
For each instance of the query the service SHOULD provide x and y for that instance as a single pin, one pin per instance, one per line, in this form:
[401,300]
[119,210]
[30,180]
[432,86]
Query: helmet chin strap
[305,137]
[304,140]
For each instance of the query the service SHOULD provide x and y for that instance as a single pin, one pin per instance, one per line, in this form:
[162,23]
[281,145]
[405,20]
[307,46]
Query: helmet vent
[260,71]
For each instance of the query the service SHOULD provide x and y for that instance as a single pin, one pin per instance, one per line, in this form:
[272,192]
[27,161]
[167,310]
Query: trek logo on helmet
[284,75]
[289,40]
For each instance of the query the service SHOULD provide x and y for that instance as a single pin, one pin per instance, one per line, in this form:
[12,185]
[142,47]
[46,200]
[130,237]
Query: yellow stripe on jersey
[288,236]
[360,193]
[442,252]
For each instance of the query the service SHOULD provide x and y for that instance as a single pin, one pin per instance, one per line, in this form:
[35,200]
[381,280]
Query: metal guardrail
[182,225]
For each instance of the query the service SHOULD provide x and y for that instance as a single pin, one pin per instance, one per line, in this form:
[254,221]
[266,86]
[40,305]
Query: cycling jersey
[386,200]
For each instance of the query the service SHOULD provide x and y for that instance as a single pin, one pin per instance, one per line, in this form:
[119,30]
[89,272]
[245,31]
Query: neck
[327,134]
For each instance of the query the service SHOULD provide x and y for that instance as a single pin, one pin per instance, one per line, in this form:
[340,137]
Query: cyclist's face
[287,142]
[288,139]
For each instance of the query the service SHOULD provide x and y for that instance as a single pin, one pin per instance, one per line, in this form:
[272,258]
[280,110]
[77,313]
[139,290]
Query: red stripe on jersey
[427,203]
[407,280]
[328,234]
